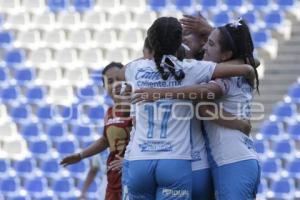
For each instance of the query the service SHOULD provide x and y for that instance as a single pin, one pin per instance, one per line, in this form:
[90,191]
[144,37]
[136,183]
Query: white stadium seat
[18,21]
[136,5]
[66,57]
[34,5]
[118,55]
[16,149]
[3,113]
[45,20]
[105,39]
[80,39]
[61,95]
[40,58]
[144,19]
[10,5]
[91,57]
[107,5]
[94,20]
[132,38]
[69,20]
[28,39]
[77,76]
[51,76]
[120,20]
[8,131]
[55,39]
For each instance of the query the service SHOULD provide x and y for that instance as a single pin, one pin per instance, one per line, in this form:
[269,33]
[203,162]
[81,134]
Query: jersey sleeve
[202,71]
[129,71]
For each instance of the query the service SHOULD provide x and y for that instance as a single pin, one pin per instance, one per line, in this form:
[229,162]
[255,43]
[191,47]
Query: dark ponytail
[165,37]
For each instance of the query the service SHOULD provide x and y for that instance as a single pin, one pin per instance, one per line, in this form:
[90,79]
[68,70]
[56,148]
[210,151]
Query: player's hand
[72,159]
[145,94]
[116,165]
[198,25]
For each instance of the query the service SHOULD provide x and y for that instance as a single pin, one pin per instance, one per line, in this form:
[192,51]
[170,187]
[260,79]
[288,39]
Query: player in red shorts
[117,127]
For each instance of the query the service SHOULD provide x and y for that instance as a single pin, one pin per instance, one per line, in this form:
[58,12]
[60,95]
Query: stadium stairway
[279,74]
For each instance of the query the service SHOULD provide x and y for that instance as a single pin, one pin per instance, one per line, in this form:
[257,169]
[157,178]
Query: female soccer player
[231,154]
[117,127]
[159,160]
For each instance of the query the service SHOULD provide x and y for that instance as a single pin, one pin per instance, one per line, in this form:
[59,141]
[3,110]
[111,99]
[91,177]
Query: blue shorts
[237,181]
[203,188]
[160,180]
[125,180]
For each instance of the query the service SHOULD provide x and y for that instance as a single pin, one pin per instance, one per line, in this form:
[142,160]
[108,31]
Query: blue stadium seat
[14,57]
[261,38]
[96,113]
[271,168]
[9,186]
[209,4]
[50,167]
[250,17]
[86,93]
[260,4]
[9,94]
[46,197]
[26,168]
[56,131]
[25,76]
[70,113]
[293,168]
[294,131]
[44,112]
[108,101]
[284,4]
[20,112]
[20,197]
[261,146]
[221,18]
[97,78]
[35,94]
[31,131]
[273,19]
[63,187]
[294,92]
[79,170]
[67,146]
[81,132]
[284,148]
[5,38]
[83,5]
[182,4]
[283,188]
[4,167]
[262,189]
[58,5]
[271,129]
[233,4]
[3,75]
[157,5]
[36,186]
[284,111]
[40,149]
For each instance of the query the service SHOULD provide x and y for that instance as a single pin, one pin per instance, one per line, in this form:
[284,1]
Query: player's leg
[203,188]
[237,181]
[174,180]
[141,180]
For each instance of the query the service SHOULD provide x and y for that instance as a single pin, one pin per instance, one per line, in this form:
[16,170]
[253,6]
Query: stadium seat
[104,5]
[105,39]
[50,76]
[50,168]
[20,197]
[25,76]
[233,4]
[144,19]
[283,189]
[47,197]
[294,130]
[16,148]
[9,185]
[14,57]
[271,168]
[31,131]
[260,4]
[82,132]
[251,17]
[135,5]
[79,170]
[28,39]
[69,20]
[96,113]
[10,6]
[55,38]
[94,20]
[96,76]
[67,146]
[157,5]
[87,93]
[284,111]
[91,57]
[293,168]
[4,76]
[70,113]
[40,58]
[9,94]
[286,3]
[35,94]
[209,4]
[44,112]
[3,114]
[34,5]
[4,167]
[183,4]
[221,18]
[8,131]
[59,95]
[20,113]
[77,76]
[6,38]
[58,5]
[118,55]
[132,38]
[120,20]
[26,168]
[108,101]
[80,38]
[83,5]
[271,129]
[262,189]
[284,149]
[64,187]
[44,20]
[66,57]
[17,21]
[40,149]
[294,92]
[261,147]
[56,131]
[261,38]
[273,19]
[36,186]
